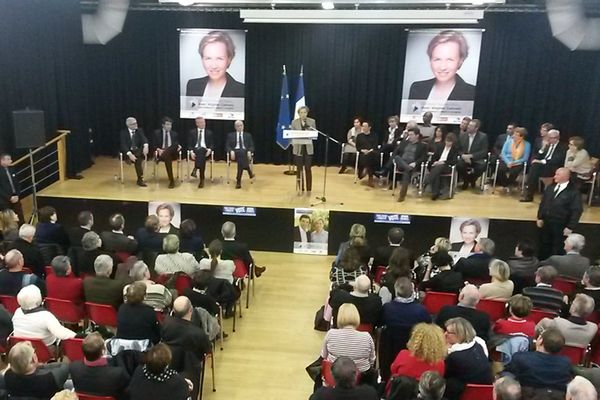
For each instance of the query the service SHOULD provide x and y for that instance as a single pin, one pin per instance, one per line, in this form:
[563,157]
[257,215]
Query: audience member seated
[156,380]
[48,231]
[101,288]
[426,351]
[444,157]
[173,261]
[32,256]
[576,330]
[234,249]
[578,161]
[467,301]
[476,266]
[440,243]
[515,153]
[446,280]
[148,237]
[591,285]
[506,388]
[523,265]
[221,269]
[368,304]
[571,265]
[519,307]
[467,360]
[344,372]
[9,225]
[395,237]
[432,386]
[91,244]
[349,268]
[115,241]
[347,341]
[190,240]
[96,374]
[13,278]
[356,238]
[62,284]
[543,295]
[86,222]
[501,287]
[543,373]
[157,296]
[26,378]
[136,320]
[208,292]
[32,320]
[6,326]
[581,389]
[399,266]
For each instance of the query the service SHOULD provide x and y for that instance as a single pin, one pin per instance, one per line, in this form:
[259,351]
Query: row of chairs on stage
[188,160]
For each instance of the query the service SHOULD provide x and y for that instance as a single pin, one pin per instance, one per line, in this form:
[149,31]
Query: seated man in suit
[115,241]
[393,137]
[13,278]
[572,265]
[466,308]
[546,161]
[476,265]
[96,374]
[473,148]
[368,304]
[86,221]
[543,295]
[201,143]
[134,147]
[233,249]
[395,237]
[240,147]
[62,284]
[101,288]
[167,147]
[408,156]
[32,255]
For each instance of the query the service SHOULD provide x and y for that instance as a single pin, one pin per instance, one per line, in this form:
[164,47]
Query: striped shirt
[351,343]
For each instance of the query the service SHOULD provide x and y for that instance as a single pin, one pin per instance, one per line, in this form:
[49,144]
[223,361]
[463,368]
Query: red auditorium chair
[326,373]
[493,308]
[365,328]
[594,317]
[434,301]
[83,396]
[71,348]
[379,271]
[477,392]
[182,282]
[42,351]
[565,285]
[101,314]
[575,354]
[537,315]
[244,272]
[64,310]
[10,303]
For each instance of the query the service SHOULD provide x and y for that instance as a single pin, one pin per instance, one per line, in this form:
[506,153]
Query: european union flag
[283,122]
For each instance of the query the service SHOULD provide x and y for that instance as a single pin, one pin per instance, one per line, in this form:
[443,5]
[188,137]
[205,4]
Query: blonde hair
[427,343]
[499,270]
[442,243]
[463,329]
[357,230]
[348,316]
[65,395]
[20,357]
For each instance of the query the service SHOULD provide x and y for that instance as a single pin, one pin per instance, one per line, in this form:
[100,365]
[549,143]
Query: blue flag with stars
[283,122]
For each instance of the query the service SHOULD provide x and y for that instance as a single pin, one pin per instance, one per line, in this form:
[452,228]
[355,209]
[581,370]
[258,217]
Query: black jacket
[104,380]
[157,139]
[32,256]
[452,154]
[6,191]
[193,139]
[233,88]
[479,147]
[462,90]
[564,209]
[420,155]
[232,141]
[479,319]
[135,145]
[474,266]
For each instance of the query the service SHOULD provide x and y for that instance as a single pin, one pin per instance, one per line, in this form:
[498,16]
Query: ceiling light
[327,5]
[186,3]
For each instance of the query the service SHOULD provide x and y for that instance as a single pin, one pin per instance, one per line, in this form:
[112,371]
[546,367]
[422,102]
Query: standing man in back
[9,187]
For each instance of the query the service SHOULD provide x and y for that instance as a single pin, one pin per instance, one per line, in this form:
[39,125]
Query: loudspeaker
[29,129]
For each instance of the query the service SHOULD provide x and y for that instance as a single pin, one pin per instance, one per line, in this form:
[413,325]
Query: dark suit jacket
[31,254]
[474,266]
[381,256]
[420,155]
[452,154]
[116,242]
[104,380]
[499,143]
[47,232]
[6,191]
[232,140]
[157,139]
[193,139]
[135,145]
[233,88]
[558,157]
[184,337]
[76,234]
[397,136]
[462,90]
[232,249]
[479,148]
[479,319]
[103,290]
[149,240]
[565,209]
[297,237]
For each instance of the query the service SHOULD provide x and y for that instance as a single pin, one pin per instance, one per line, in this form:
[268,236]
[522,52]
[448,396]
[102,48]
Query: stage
[274,196]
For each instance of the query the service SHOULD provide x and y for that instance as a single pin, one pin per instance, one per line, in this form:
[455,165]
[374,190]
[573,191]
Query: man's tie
[199,141]
[242,140]
[12,185]
[550,151]
[556,190]
[166,140]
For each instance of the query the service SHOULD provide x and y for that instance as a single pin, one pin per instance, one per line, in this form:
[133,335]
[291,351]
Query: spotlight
[327,5]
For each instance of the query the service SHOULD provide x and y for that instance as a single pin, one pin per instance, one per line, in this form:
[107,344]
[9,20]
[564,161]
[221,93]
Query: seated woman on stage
[439,136]
[349,151]
[578,160]
[515,154]
[444,157]
[368,155]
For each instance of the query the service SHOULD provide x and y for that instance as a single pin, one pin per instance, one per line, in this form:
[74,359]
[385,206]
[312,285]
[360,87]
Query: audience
[173,261]
[356,238]
[571,265]
[190,240]
[234,249]
[136,320]
[157,296]
[543,295]
[519,307]
[220,269]
[576,330]
[501,287]
[96,374]
[32,256]
[426,351]
[523,265]
[399,266]
[91,244]
[467,301]
[208,292]
[148,237]
[9,225]
[32,320]
[506,388]
[542,373]
[368,304]
[581,389]
[381,256]
[446,280]
[86,222]
[578,160]
[115,241]
[476,265]
[344,372]
[440,244]
[48,231]
[101,288]
[62,284]
[349,267]
[13,278]
[591,285]
[432,386]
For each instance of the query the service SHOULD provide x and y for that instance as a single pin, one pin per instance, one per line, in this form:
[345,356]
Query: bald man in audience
[506,388]
[467,301]
[13,278]
[368,304]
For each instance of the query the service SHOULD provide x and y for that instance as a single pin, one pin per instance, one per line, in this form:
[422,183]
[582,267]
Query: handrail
[62,135]
[61,148]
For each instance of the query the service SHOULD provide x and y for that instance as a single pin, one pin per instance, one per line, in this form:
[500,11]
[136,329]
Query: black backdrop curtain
[42,67]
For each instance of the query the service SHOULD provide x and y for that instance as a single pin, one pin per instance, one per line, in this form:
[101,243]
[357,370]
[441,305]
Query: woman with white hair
[32,320]
[157,295]
[173,261]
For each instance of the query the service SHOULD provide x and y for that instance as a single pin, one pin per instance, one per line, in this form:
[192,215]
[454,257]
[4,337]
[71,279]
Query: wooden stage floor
[274,189]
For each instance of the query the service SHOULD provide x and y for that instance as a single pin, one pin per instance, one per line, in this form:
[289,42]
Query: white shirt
[201,143]
[391,135]
[40,325]
[559,188]
[444,156]
[303,237]
[471,138]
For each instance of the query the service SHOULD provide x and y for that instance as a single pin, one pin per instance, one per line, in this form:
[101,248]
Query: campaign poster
[168,213]
[464,234]
[311,231]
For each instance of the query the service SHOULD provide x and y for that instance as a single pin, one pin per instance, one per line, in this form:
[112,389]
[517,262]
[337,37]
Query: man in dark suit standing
[134,147]
[9,187]
[167,147]
[473,147]
[545,163]
[558,213]
[240,147]
[201,143]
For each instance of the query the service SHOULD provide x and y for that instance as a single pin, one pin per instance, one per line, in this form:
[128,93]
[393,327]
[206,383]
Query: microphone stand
[323,199]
